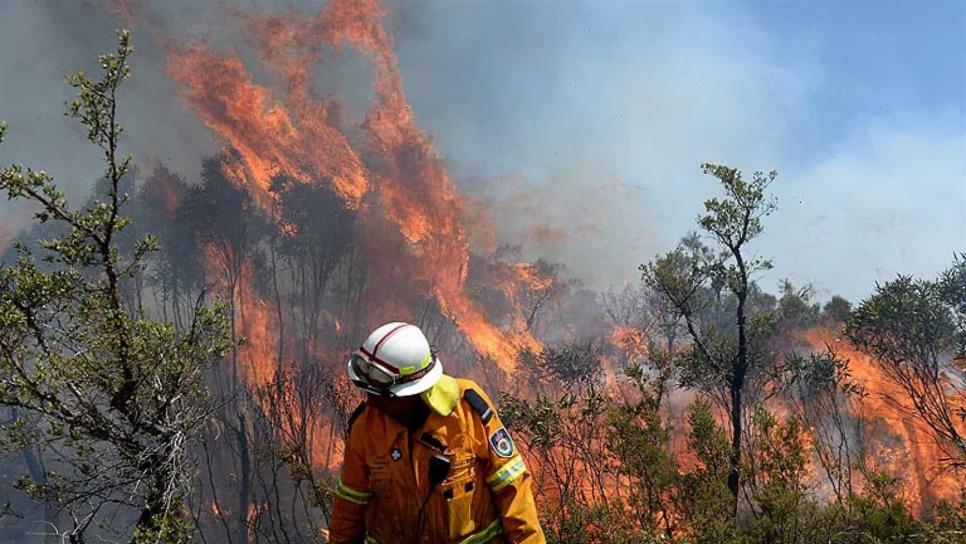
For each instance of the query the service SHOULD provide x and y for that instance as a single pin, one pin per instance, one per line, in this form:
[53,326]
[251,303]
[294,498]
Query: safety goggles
[375,377]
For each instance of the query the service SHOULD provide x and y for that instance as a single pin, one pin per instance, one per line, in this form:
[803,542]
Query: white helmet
[396,360]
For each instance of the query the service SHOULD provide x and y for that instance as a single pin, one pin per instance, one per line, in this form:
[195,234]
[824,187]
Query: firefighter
[427,459]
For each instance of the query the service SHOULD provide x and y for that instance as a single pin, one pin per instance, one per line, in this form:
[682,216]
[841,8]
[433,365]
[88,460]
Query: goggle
[379,378]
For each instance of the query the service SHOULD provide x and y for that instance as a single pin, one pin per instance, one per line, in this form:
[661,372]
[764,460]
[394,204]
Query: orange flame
[262,130]
[294,133]
[162,187]
[913,455]
[253,319]
[217,510]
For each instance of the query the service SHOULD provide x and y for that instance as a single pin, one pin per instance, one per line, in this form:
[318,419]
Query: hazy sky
[584,124]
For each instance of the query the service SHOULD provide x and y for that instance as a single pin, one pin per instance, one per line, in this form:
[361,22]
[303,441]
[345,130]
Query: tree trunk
[734,469]
[151,520]
[245,487]
[737,402]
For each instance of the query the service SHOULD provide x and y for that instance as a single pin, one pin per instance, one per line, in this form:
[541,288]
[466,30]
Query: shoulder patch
[501,443]
[354,416]
[478,404]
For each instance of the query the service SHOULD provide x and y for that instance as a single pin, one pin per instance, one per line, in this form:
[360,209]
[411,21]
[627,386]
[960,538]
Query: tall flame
[292,131]
[268,137]
[912,454]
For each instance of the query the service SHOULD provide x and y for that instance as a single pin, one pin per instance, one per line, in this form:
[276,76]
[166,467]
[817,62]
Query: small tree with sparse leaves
[116,395]
[726,356]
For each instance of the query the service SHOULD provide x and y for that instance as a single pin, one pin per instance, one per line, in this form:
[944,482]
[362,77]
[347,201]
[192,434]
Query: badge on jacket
[396,454]
[501,442]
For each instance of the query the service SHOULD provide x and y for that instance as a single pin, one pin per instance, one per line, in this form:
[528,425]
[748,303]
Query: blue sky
[583,124]
[599,114]
[882,58]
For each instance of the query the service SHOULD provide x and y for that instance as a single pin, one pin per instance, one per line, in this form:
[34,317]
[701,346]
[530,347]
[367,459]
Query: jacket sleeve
[352,494]
[510,481]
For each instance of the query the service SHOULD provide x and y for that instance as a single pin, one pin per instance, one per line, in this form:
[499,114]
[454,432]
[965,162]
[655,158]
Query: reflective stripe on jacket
[486,496]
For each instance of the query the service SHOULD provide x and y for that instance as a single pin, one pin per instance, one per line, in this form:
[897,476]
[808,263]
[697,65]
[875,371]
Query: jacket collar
[443,397]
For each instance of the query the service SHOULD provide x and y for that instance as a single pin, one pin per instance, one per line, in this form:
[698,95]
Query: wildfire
[631,341]
[163,188]
[268,136]
[526,277]
[913,455]
[397,184]
[217,510]
[293,132]
[253,319]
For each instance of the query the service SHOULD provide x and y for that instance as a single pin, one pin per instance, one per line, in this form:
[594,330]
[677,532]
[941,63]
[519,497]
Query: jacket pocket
[458,491]
[381,479]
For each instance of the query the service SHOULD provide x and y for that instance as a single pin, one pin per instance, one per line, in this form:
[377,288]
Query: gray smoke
[581,126]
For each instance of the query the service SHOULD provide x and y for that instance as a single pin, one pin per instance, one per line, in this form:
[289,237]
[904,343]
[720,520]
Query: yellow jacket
[486,496]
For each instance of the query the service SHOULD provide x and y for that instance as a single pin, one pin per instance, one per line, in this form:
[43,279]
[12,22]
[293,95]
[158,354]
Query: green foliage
[566,433]
[599,524]
[639,439]
[951,519]
[837,309]
[880,515]
[653,493]
[119,396]
[706,499]
[736,218]
[729,358]
[906,322]
[777,473]
[692,276]
[914,328]
[796,310]
[572,364]
[952,290]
